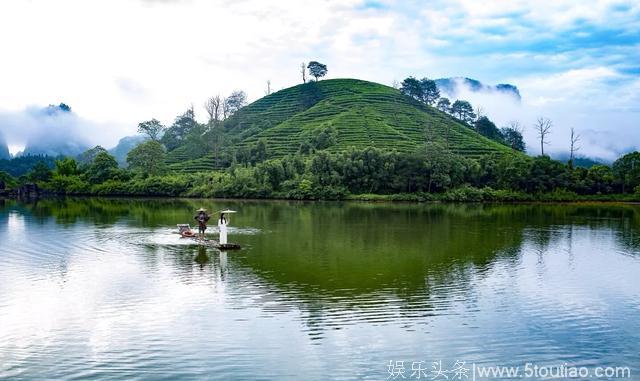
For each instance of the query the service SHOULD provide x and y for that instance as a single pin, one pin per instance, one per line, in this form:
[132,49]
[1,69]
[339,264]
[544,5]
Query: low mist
[605,134]
[50,130]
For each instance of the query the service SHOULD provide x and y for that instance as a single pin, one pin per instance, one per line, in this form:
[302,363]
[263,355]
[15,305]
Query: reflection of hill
[349,249]
[338,247]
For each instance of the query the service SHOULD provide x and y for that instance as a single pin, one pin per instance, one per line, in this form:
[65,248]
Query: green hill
[356,113]
[362,113]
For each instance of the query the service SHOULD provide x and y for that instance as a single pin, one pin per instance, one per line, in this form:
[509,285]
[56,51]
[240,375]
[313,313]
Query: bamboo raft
[185,232]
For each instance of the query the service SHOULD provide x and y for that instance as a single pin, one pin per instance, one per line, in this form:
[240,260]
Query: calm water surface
[105,289]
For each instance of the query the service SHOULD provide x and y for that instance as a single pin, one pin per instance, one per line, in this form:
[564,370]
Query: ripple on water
[124,302]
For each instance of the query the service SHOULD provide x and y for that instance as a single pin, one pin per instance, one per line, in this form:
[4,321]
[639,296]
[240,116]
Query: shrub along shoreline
[430,174]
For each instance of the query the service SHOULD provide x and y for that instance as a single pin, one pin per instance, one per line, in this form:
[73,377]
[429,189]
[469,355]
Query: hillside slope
[361,114]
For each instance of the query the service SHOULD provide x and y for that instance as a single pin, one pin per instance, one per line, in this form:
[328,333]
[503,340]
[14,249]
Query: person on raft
[202,217]
[222,226]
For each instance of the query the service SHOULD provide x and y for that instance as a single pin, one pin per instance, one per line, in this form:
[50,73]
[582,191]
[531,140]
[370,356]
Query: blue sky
[120,62]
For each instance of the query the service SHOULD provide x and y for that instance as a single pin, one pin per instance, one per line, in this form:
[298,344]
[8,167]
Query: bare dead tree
[543,128]
[516,126]
[209,108]
[575,139]
[303,71]
[479,112]
[395,84]
[224,108]
[213,106]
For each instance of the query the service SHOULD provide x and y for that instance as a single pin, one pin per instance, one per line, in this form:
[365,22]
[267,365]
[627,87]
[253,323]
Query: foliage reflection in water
[104,288]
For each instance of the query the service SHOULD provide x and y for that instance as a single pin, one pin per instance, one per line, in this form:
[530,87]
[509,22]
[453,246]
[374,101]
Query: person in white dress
[222,226]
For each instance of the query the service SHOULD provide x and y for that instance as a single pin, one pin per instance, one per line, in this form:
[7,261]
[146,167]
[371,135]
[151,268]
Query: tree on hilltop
[153,128]
[317,69]
[423,90]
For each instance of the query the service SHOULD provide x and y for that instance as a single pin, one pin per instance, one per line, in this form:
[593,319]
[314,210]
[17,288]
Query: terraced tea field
[362,113]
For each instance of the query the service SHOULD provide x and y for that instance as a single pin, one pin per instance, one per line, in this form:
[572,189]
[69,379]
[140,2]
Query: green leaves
[424,90]
[153,128]
[317,70]
[147,158]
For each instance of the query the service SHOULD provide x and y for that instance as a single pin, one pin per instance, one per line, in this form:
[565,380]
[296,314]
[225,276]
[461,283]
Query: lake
[106,289]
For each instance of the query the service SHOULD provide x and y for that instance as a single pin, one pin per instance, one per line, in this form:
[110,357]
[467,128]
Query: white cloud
[582,99]
[120,62]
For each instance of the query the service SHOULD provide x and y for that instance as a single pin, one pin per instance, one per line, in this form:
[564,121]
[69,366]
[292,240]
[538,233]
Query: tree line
[432,171]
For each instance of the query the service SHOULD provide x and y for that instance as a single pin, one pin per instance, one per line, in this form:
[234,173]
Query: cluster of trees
[218,108]
[18,166]
[426,91]
[431,170]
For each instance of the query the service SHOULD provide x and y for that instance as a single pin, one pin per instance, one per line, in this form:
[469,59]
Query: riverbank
[471,194]
[462,194]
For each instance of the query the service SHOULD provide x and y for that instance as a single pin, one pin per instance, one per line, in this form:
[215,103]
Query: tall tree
[40,172]
[627,170]
[235,101]
[303,71]
[153,128]
[268,91]
[179,130]
[66,167]
[430,92]
[444,105]
[317,69]
[213,106]
[485,127]
[600,179]
[574,147]
[147,158]
[224,109]
[101,168]
[512,135]
[412,87]
[463,111]
[85,158]
[543,128]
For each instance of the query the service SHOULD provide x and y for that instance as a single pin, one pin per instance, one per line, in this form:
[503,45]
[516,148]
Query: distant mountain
[56,136]
[54,148]
[452,86]
[4,149]
[582,161]
[125,145]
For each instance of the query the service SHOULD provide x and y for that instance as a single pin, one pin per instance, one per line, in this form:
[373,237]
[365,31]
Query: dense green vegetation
[430,173]
[19,166]
[359,114]
[336,139]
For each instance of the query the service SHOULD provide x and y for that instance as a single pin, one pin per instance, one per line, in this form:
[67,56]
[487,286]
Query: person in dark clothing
[202,217]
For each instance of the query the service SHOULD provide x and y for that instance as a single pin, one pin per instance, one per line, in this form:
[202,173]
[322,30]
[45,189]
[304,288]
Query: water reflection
[333,283]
